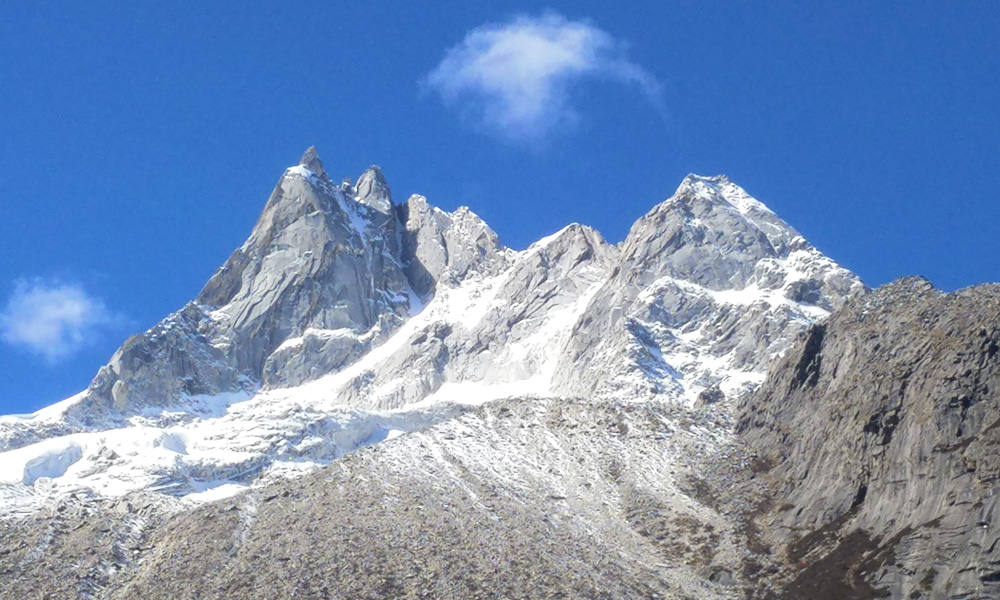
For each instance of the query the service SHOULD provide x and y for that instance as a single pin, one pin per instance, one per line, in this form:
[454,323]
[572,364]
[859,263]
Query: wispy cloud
[54,319]
[515,78]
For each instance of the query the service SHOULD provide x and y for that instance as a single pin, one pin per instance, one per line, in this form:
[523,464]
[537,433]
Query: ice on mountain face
[345,319]
[48,414]
[53,463]
[301,172]
[201,457]
[20,430]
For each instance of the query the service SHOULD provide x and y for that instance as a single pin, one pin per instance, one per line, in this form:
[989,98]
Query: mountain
[709,286]
[390,376]
[345,319]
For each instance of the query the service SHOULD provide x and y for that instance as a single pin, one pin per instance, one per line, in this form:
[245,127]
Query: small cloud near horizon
[514,78]
[54,319]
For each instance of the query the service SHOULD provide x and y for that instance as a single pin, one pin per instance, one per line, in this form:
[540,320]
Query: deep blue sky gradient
[139,141]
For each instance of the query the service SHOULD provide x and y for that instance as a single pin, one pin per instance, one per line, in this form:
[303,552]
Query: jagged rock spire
[310,160]
[373,190]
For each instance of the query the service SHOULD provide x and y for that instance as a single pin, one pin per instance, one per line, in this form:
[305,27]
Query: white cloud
[53,319]
[515,78]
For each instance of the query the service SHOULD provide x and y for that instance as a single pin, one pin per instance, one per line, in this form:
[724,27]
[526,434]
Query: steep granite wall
[882,432]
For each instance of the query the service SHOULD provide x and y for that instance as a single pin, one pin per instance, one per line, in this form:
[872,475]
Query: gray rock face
[173,359]
[314,354]
[332,272]
[710,285]
[325,275]
[319,258]
[505,334]
[881,429]
[309,263]
[438,246]
[707,287]
[372,190]
[346,321]
[311,162]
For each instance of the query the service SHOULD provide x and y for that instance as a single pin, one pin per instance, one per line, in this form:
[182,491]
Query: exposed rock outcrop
[440,246]
[373,190]
[881,431]
[318,259]
[328,272]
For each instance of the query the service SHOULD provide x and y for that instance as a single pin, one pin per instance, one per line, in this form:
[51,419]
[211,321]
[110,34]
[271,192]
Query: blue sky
[139,141]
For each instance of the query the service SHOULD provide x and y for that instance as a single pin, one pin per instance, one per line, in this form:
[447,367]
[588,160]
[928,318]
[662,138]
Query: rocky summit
[375,399]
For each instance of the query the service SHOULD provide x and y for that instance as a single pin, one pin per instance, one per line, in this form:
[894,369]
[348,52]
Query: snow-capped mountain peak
[721,187]
[345,319]
[710,285]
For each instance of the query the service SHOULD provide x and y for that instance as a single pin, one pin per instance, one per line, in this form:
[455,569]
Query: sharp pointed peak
[373,190]
[373,178]
[310,160]
[720,188]
[373,171]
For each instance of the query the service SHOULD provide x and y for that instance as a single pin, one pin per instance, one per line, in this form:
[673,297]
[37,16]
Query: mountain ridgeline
[374,399]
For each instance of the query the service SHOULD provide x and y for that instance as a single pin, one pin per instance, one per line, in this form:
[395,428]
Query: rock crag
[880,431]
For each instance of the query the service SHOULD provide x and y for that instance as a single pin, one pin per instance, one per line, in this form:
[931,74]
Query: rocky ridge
[710,286]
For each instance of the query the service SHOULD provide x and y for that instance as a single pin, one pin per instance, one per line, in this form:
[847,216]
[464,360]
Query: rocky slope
[864,467]
[521,498]
[880,431]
